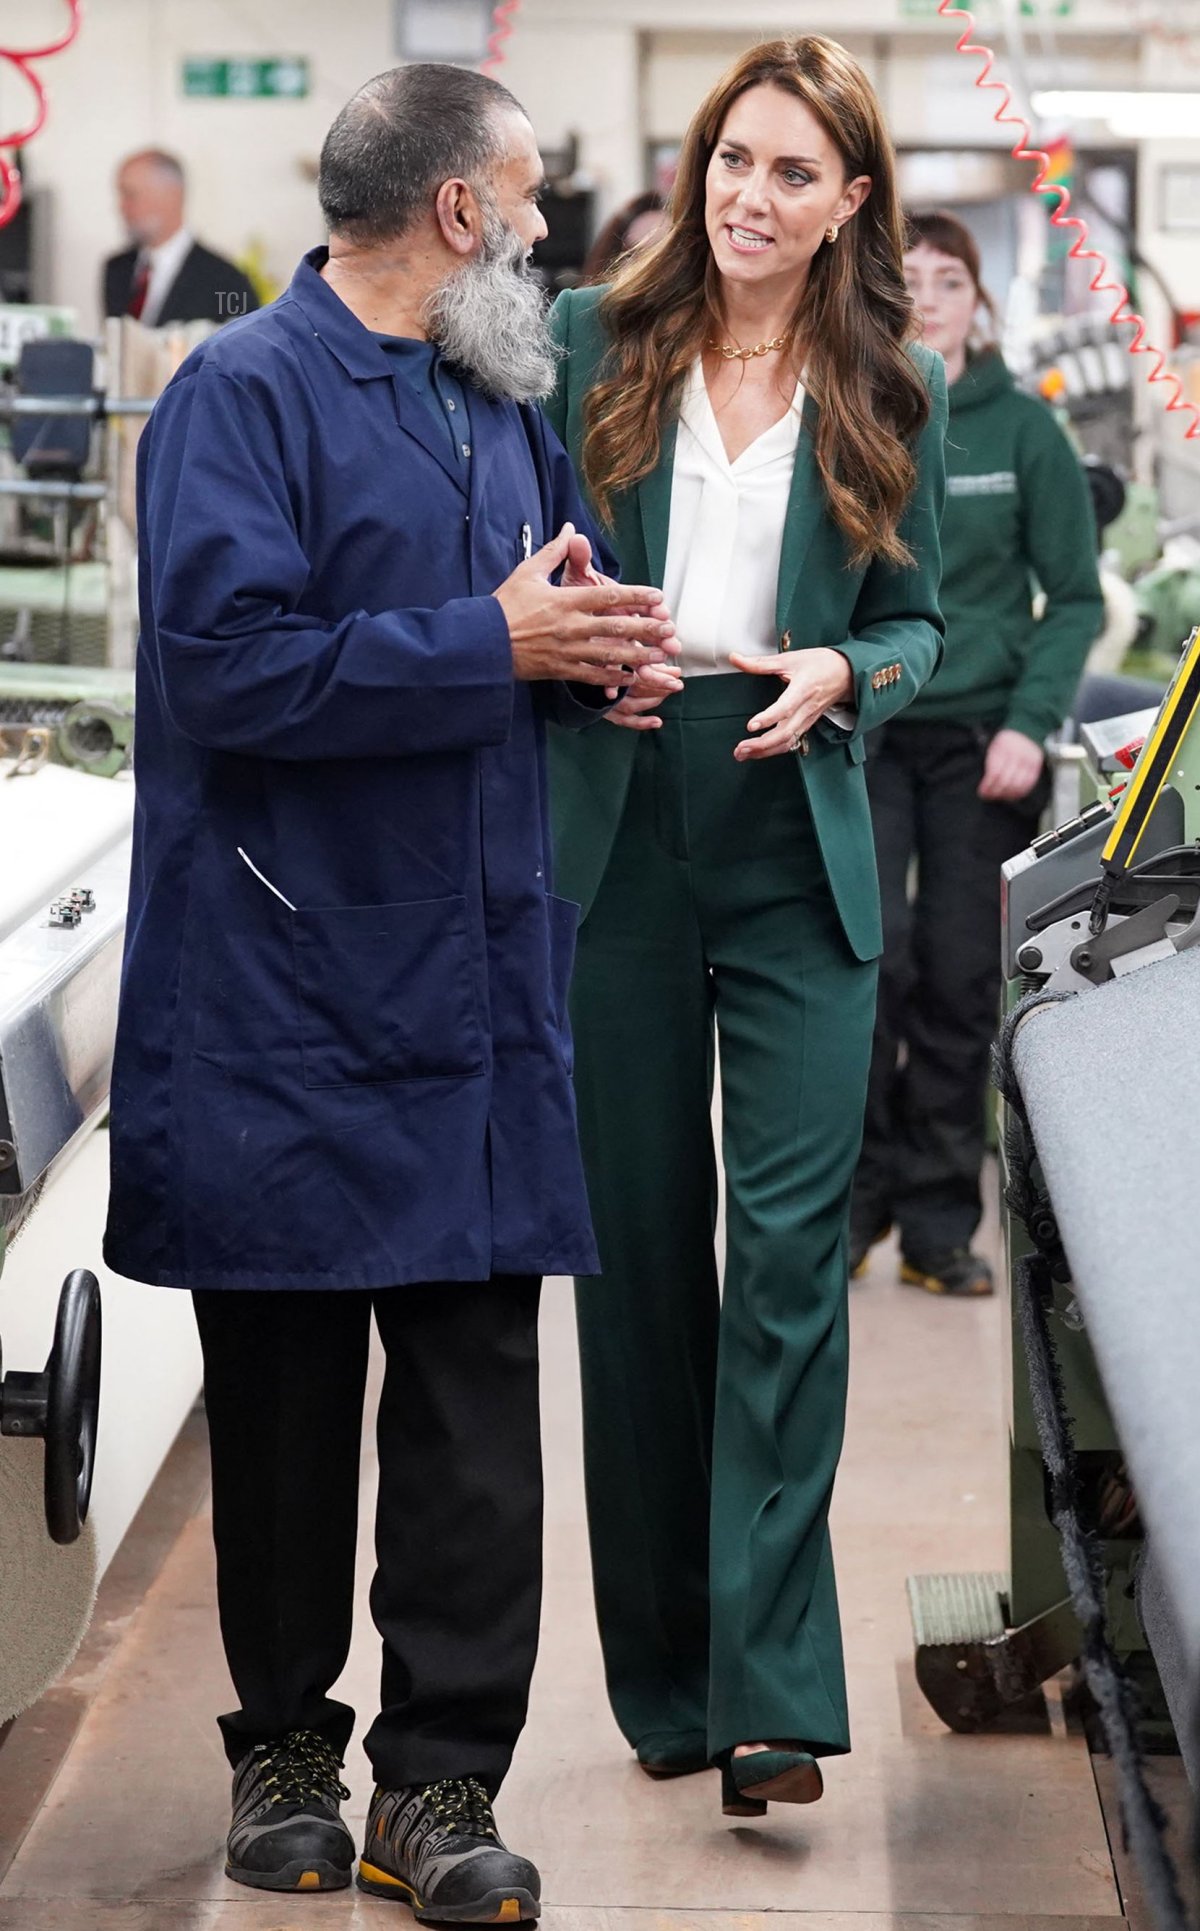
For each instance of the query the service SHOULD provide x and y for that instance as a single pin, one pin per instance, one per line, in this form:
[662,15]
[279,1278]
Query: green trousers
[713,1419]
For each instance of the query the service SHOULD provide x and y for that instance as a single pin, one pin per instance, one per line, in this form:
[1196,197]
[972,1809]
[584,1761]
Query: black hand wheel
[72,1406]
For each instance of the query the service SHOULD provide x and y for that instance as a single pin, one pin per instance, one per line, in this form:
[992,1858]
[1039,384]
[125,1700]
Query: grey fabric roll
[1111,1083]
[1154,1614]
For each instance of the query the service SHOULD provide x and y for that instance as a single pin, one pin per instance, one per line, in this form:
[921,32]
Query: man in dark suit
[166,276]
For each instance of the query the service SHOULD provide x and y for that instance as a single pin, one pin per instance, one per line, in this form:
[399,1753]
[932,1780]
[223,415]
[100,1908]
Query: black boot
[865,1233]
[287,1832]
[957,1271]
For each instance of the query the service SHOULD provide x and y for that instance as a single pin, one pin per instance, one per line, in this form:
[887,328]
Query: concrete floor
[919,1831]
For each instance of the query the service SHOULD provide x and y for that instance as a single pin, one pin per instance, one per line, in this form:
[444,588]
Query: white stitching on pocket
[262,877]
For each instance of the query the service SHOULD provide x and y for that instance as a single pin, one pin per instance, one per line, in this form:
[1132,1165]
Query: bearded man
[342,1081]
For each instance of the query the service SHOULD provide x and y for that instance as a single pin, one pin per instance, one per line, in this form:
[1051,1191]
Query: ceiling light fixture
[1132,114]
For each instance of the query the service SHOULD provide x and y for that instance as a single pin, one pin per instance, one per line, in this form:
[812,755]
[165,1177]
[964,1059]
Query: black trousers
[940,977]
[458,1530]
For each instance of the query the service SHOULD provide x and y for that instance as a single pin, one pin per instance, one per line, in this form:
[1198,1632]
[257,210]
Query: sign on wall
[1179,198]
[278,78]
[454,30]
[1032,9]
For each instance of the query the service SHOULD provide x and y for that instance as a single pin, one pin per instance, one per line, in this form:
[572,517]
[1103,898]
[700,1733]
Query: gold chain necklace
[745,355]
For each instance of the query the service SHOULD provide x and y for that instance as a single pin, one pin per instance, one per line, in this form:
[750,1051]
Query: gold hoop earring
[831,233]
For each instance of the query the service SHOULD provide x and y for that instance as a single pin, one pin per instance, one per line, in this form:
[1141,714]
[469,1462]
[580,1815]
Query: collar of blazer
[806,505]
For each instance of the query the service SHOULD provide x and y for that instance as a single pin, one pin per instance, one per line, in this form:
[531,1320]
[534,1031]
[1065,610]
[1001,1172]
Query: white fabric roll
[54,823]
[46,1591]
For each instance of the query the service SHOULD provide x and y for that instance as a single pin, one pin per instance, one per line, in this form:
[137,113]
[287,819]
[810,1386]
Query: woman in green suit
[760,438]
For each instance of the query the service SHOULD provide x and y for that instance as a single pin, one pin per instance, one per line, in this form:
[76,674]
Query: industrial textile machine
[65,841]
[63,890]
[67,634]
[77,717]
[1102,960]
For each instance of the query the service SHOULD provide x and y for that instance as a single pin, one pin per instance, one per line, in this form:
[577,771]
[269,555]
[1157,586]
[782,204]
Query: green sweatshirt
[1018,516]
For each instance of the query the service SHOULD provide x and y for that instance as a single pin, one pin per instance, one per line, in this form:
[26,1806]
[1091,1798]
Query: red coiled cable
[10,179]
[1103,281]
[503,15]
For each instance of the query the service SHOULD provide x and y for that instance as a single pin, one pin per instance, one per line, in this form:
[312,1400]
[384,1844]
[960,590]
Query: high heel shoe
[733,1803]
[769,1776]
[663,1756]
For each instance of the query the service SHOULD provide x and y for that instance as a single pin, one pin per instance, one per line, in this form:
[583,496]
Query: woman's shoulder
[576,325]
[932,371]
[1035,416]
[1042,449]
[1027,418]
[929,366]
[576,315]
[586,299]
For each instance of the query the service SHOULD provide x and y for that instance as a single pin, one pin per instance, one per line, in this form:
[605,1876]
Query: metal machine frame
[60,965]
[1114,890]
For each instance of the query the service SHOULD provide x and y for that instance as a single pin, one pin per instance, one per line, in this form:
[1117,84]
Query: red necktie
[141,287]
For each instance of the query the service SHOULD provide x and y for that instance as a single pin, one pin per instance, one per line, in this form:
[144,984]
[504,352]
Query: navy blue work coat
[369,1083]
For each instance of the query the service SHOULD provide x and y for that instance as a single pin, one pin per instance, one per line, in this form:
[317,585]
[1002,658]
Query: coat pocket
[386,992]
[563,919]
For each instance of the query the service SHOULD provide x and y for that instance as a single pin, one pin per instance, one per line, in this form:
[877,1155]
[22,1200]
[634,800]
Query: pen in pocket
[264,880]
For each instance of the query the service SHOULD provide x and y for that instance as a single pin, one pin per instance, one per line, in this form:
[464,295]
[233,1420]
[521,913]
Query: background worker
[958,782]
[166,275]
[637,222]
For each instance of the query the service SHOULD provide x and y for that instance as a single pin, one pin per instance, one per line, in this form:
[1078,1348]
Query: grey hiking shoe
[287,1833]
[438,1850]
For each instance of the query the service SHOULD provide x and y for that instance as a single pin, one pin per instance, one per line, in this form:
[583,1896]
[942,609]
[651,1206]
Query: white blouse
[726,534]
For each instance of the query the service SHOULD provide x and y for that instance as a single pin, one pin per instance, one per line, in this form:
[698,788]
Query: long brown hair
[851,323]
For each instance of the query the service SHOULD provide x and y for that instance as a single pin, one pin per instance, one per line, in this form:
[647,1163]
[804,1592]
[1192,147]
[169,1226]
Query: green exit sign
[279,79]
[1032,9]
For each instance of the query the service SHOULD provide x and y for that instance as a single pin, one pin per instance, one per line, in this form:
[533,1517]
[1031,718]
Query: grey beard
[489,318]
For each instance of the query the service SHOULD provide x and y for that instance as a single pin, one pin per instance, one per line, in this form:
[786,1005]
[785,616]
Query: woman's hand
[577,570]
[813,681]
[650,683]
[644,694]
[1013,766]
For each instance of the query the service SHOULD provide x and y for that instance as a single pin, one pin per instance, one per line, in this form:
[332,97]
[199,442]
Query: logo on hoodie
[993,482]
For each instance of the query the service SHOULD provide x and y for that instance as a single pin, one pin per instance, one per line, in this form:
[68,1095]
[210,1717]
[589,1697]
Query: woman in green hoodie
[958,780]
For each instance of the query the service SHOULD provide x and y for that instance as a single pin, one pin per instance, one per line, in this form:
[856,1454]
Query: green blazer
[884,619]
